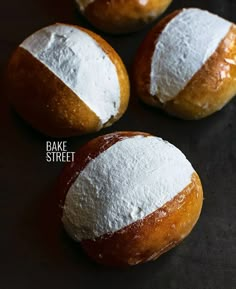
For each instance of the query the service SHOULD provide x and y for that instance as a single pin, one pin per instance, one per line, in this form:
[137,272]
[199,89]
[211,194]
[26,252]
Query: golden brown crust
[147,239]
[143,240]
[212,87]
[124,16]
[50,106]
[44,101]
[207,92]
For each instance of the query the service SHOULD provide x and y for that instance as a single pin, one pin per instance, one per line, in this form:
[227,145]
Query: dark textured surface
[35,253]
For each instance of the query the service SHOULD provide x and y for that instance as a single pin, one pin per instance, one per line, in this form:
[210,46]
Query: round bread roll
[128,197]
[187,64]
[121,16]
[65,80]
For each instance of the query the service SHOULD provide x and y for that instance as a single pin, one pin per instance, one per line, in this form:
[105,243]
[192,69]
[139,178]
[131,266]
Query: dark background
[34,250]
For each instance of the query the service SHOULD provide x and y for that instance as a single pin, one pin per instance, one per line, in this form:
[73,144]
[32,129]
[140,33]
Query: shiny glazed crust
[123,16]
[207,92]
[156,234]
[50,106]
[143,240]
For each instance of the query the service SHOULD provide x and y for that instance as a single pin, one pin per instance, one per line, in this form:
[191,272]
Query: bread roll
[128,197]
[121,16]
[65,80]
[187,64]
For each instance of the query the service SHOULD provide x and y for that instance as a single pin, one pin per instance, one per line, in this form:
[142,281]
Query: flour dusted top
[78,60]
[183,47]
[125,183]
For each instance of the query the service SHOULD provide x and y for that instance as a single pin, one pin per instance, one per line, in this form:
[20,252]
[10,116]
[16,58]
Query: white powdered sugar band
[78,60]
[84,3]
[124,184]
[182,48]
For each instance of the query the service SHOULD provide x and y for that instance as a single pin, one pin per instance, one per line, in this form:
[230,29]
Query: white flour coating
[78,60]
[182,49]
[84,3]
[127,182]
